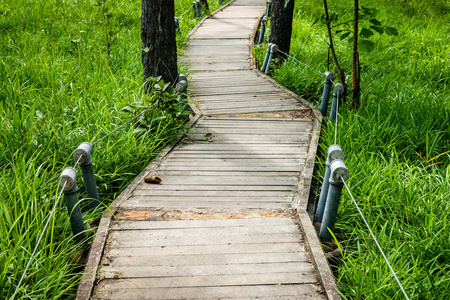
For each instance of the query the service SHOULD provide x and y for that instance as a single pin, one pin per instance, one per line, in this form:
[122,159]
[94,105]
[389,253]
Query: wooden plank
[181,172]
[148,259]
[125,224]
[231,180]
[216,187]
[293,168]
[205,270]
[304,290]
[211,204]
[218,280]
[136,238]
[214,193]
[211,249]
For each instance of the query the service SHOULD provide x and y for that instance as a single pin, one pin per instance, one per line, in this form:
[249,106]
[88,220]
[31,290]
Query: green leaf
[128,108]
[391,31]
[366,45]
[339,31]
[345,35]
[375,22]
[365,33]
[378,29]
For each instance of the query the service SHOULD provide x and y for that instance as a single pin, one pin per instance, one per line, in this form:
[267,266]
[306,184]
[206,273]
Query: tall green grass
[391,144]
[67,68]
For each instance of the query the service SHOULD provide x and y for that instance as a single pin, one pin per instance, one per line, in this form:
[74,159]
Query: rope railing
[68,186]
[375,239]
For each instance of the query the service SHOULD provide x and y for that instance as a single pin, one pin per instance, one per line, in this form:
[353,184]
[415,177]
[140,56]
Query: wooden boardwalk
[229,219]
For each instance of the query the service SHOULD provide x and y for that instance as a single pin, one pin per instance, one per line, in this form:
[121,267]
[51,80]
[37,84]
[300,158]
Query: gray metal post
[338,89]
[83,155]
[273,49]
[69,176]
[334,152]
[263,30]
[268,5]
[181,88]
[194,7]
[337,170]
[199,9]
[177,25]
[266,58]
[329,77]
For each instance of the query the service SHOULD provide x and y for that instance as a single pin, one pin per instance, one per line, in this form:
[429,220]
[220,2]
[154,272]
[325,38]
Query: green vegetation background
[392,144]
[67,68]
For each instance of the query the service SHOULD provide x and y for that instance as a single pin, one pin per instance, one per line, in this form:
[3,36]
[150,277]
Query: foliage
[396,146]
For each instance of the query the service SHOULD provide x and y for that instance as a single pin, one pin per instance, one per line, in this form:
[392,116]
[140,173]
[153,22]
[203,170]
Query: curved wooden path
[229,219]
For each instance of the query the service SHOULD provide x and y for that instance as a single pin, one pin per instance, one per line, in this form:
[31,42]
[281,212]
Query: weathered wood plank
[204,281]
[149,259]
[211,249]
[304,290]
[206,270]
[212,204]
[214,193]
[200,187]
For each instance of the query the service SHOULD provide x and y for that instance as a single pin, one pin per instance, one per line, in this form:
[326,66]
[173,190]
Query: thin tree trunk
[281,24]
[340,71]
[355,60]
[159,46]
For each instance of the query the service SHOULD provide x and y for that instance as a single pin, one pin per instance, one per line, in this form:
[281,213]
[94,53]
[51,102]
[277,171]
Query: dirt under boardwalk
[221,224]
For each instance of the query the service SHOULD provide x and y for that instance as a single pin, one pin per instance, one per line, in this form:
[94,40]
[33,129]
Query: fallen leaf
[208,134]
[211,63]
[153,179]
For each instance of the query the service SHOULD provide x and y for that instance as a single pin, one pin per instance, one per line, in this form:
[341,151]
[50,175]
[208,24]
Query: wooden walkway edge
[229,220]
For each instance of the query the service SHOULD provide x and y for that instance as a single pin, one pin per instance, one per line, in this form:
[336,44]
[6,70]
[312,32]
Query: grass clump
[396,145]
[69,72]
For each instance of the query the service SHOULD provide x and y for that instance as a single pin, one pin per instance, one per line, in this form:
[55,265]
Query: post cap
[176,20]
[83,153]
[335,152]
[194,4]
[182,77]
[338,170]
[181,86]
[329,75]
[273,47]
[68,176]
[269,1]
[338,88]
[265,19]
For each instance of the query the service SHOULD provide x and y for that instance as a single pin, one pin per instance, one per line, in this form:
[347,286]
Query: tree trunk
[159,45]
[281,24]
[340,71]
[355,60]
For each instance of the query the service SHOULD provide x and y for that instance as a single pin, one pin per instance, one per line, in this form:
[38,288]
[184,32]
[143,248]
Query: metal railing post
[338,89]
[194,7]
[273,48]
[266,58]
[337,170]
[69,178]
[199,9]
[263,30]
[268,6]
[329,77]
[334,152]
[181,88]
[83,155]
[177,25]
